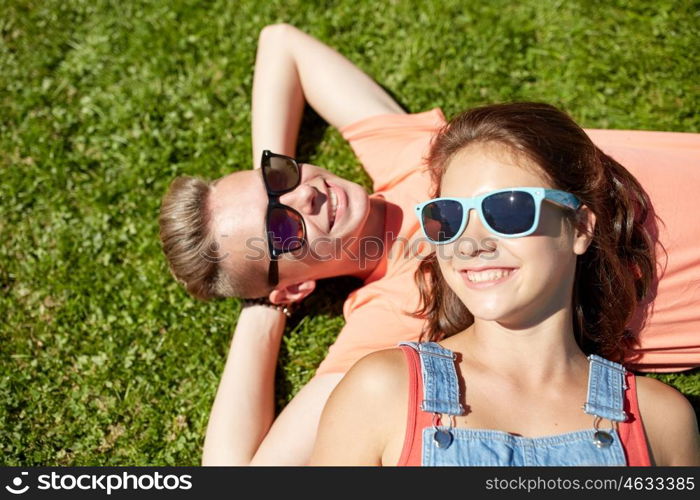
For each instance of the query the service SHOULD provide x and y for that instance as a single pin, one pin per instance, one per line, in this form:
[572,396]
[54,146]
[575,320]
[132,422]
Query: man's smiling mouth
[332,206]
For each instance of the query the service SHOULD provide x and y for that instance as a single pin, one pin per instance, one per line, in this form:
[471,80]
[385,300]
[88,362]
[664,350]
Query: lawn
[104,359]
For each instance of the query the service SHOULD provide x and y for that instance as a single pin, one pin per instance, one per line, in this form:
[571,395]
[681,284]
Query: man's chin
[359,208]
[356,212]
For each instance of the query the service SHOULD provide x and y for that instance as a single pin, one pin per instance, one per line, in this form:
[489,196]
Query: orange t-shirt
[392,149]
[667,165]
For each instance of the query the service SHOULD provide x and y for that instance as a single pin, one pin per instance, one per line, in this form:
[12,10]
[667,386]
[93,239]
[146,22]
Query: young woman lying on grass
[539,259]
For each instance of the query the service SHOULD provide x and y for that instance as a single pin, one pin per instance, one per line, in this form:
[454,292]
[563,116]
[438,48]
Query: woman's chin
[497,313]
[482,316]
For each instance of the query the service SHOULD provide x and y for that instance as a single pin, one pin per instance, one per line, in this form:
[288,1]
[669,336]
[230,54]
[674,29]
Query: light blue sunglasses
[509,213]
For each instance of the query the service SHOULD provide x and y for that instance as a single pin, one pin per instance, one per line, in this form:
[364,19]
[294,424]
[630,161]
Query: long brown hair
[617,270]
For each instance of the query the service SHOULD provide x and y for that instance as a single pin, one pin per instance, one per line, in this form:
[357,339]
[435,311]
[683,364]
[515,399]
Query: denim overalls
[446,445]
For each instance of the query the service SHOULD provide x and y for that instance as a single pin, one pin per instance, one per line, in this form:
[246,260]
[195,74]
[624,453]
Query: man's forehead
[238,202]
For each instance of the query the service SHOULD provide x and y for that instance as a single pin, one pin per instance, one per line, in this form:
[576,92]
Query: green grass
[103,358]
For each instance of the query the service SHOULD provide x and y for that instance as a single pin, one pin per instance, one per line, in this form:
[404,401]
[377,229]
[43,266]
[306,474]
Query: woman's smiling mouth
[487,277]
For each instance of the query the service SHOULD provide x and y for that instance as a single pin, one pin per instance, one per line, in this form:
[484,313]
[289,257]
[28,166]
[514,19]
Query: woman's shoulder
[378,381]
[669,421]
[658,398]
[380,371]
[363,411]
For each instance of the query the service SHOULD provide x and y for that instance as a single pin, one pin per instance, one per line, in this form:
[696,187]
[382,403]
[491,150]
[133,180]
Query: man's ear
[292,293]
[582,239]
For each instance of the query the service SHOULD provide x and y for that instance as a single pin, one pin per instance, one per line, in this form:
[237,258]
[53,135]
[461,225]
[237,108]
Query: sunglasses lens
[442,219]
[511,212]
[285,229]
[281,174]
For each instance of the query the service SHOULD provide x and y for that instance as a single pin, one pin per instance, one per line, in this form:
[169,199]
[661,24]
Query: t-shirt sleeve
[375,320]
[390,147]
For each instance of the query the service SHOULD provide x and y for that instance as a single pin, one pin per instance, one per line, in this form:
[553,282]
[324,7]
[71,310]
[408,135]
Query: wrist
[286,309]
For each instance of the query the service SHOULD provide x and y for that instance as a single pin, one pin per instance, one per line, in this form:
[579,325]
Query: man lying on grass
[272,233]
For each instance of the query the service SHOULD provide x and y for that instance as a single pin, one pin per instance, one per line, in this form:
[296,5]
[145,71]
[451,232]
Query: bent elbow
[275,31]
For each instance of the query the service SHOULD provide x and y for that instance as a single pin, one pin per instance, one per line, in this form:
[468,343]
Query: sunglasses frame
[273,203]
[539,194]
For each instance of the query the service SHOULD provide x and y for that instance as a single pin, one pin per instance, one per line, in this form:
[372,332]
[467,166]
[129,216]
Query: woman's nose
[475,239]
[304,198]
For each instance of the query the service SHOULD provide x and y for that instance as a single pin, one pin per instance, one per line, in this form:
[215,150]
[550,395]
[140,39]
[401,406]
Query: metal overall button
[442,437]
[601,439]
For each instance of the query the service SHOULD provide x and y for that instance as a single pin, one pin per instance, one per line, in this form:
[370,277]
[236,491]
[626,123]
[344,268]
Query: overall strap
[440,385]
[606,387]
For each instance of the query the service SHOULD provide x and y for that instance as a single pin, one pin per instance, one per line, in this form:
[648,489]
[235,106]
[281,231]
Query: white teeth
[334,205]
[488,275]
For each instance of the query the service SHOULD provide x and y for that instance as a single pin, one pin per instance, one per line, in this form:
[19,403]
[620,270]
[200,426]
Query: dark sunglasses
[509,213]
[284,226]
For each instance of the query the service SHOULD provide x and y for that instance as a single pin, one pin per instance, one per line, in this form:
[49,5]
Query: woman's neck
[531,354]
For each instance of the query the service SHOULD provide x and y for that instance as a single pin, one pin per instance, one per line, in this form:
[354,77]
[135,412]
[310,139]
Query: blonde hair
[191,249]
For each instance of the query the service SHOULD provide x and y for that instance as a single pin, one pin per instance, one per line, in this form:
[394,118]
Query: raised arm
[292,68]
[244,406]
[241,429]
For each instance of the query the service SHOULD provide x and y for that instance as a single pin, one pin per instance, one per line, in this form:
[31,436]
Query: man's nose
[304,198]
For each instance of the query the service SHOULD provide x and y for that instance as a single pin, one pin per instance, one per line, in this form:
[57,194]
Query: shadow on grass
[329,296]
[312,130]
